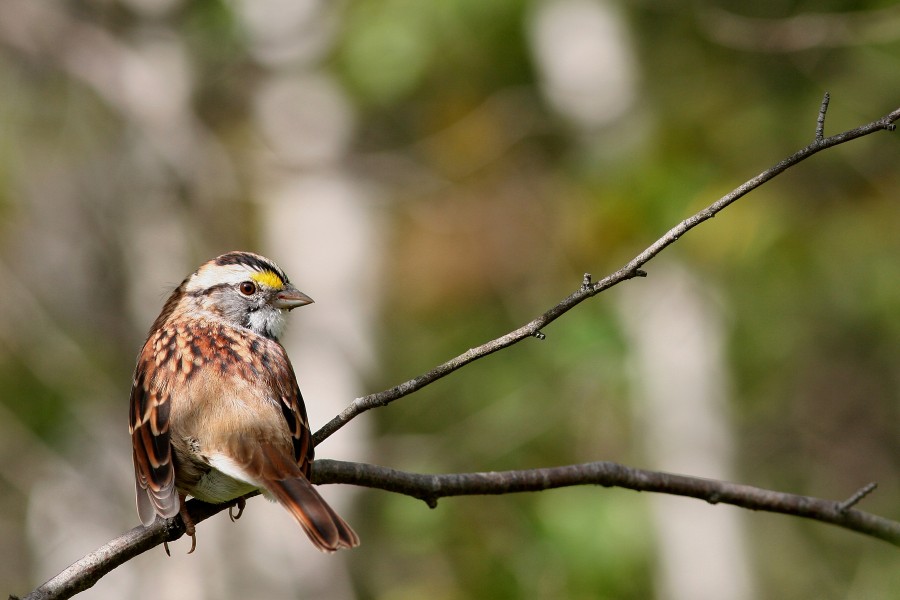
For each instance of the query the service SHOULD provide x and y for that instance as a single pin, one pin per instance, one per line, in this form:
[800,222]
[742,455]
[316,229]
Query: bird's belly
[216,487]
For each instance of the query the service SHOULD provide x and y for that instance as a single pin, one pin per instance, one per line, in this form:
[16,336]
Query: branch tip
[820,120]
[640,273]
[853,500]
[586,282]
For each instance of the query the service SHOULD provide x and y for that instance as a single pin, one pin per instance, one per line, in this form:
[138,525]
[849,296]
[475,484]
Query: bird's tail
[325,528]
[284,480]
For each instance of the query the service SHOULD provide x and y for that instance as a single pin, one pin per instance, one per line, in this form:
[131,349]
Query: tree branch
[588,290]
[430,488]
[87,571]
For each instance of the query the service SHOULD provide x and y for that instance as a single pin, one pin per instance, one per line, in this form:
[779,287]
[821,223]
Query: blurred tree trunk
[676,335]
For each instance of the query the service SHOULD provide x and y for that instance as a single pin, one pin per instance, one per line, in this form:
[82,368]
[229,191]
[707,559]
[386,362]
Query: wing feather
[154,472]
[293,409]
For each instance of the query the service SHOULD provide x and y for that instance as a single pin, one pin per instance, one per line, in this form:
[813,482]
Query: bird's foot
[240,503]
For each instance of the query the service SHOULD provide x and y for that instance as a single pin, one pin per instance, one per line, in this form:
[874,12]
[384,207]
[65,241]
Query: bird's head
[245,290]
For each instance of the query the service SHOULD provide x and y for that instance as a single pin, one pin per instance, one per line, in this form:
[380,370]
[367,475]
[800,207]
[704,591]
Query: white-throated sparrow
[215,408]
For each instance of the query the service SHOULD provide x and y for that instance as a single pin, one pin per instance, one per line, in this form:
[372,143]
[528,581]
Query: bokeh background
[435,174]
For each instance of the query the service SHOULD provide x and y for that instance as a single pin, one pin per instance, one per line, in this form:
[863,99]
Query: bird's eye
[248,288]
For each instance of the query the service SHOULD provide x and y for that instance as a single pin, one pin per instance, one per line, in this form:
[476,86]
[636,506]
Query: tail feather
[327,531]
[284,479]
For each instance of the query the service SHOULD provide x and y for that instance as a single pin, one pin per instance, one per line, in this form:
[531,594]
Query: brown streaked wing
[153,470]
[295,414]
[292,408]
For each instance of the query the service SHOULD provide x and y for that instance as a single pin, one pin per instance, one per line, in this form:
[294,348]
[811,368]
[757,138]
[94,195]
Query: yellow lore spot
[268,279]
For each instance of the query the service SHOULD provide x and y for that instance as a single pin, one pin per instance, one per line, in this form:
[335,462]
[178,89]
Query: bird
[216,411]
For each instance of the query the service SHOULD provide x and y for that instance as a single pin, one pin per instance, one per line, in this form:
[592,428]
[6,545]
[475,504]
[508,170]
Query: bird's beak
[290,298]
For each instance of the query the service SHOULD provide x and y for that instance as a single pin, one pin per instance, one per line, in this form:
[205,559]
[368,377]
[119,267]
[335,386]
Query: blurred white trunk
[680,378]
[315,221]
[322,230]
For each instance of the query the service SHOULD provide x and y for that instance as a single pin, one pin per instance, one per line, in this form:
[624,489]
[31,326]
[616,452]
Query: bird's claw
[240,503]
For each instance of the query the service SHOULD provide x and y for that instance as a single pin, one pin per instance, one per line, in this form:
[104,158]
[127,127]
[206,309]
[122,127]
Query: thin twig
[855,498]
[631,270]
[820,121]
